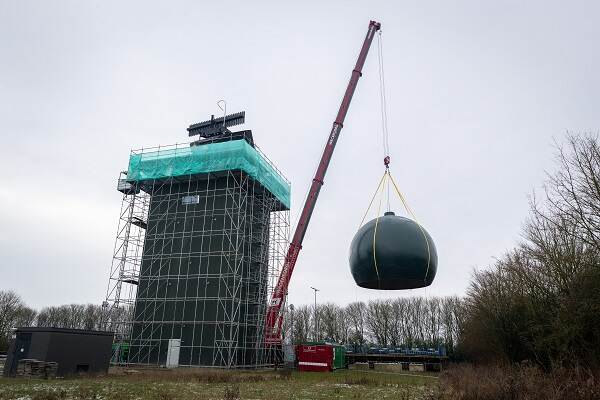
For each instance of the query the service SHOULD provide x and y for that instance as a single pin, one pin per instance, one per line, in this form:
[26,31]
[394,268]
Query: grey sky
[477,92]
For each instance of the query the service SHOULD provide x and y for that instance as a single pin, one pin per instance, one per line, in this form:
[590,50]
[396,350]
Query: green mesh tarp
[213,157]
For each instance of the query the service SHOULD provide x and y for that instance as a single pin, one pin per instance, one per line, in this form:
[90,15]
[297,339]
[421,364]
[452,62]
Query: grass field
[210,384]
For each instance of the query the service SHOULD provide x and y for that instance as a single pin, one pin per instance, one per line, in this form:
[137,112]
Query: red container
[318,358]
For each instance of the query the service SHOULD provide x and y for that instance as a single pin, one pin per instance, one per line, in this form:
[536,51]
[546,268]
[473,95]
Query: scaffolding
[196,258]
[125,267]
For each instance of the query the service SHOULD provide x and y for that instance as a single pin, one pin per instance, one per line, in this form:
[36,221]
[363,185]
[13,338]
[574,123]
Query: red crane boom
[274,318]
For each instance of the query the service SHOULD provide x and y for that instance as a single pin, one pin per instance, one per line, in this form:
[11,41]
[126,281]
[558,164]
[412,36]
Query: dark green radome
[405,255]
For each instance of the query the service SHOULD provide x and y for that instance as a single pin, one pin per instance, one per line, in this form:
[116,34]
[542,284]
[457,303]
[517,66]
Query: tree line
[15,313]
[409,322]
[401,322]
[539,302]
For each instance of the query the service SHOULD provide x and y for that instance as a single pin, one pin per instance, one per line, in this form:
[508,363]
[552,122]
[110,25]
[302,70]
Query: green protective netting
[213,157]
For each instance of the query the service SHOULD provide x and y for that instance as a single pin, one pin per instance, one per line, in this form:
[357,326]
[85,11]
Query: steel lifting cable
[383,103]
[386,148]
[387,176]
[383,98]
[371,202]
[384,179]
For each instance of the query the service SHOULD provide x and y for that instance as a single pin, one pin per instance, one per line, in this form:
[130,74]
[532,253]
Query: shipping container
[320,357]
[339,357]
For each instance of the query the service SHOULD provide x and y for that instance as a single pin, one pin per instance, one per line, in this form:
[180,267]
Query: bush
[518,382]
[541,301]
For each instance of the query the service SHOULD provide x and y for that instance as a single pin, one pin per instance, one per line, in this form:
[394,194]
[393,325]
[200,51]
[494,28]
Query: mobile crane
[274,316]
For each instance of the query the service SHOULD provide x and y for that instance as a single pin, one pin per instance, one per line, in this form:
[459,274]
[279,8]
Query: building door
[173,353]
[20,351]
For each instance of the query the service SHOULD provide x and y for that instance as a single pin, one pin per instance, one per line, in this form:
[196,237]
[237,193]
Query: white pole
[316,319]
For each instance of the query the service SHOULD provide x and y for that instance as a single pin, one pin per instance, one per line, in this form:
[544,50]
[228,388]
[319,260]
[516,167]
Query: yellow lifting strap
[386,179]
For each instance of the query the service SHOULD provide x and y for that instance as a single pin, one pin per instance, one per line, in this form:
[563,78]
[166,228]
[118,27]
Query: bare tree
[82,316]
[379,318]
[328,321]
[433,322]
[541,300]
[26,317]
[301,325]
[355,313]
[13,313]
[398,322]
[451,320]
[573,192]
[343,326]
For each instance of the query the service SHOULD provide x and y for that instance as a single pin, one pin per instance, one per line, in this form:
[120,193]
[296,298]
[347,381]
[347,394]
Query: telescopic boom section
[274,318]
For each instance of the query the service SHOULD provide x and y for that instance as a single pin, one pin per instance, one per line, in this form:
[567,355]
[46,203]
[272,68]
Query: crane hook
[386,162]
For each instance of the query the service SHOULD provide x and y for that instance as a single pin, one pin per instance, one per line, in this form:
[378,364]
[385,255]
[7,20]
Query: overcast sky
[477,91]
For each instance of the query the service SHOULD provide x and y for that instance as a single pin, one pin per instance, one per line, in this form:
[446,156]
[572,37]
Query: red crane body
[274,317]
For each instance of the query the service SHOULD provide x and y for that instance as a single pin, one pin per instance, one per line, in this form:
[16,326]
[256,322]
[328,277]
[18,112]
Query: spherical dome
[392,252]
